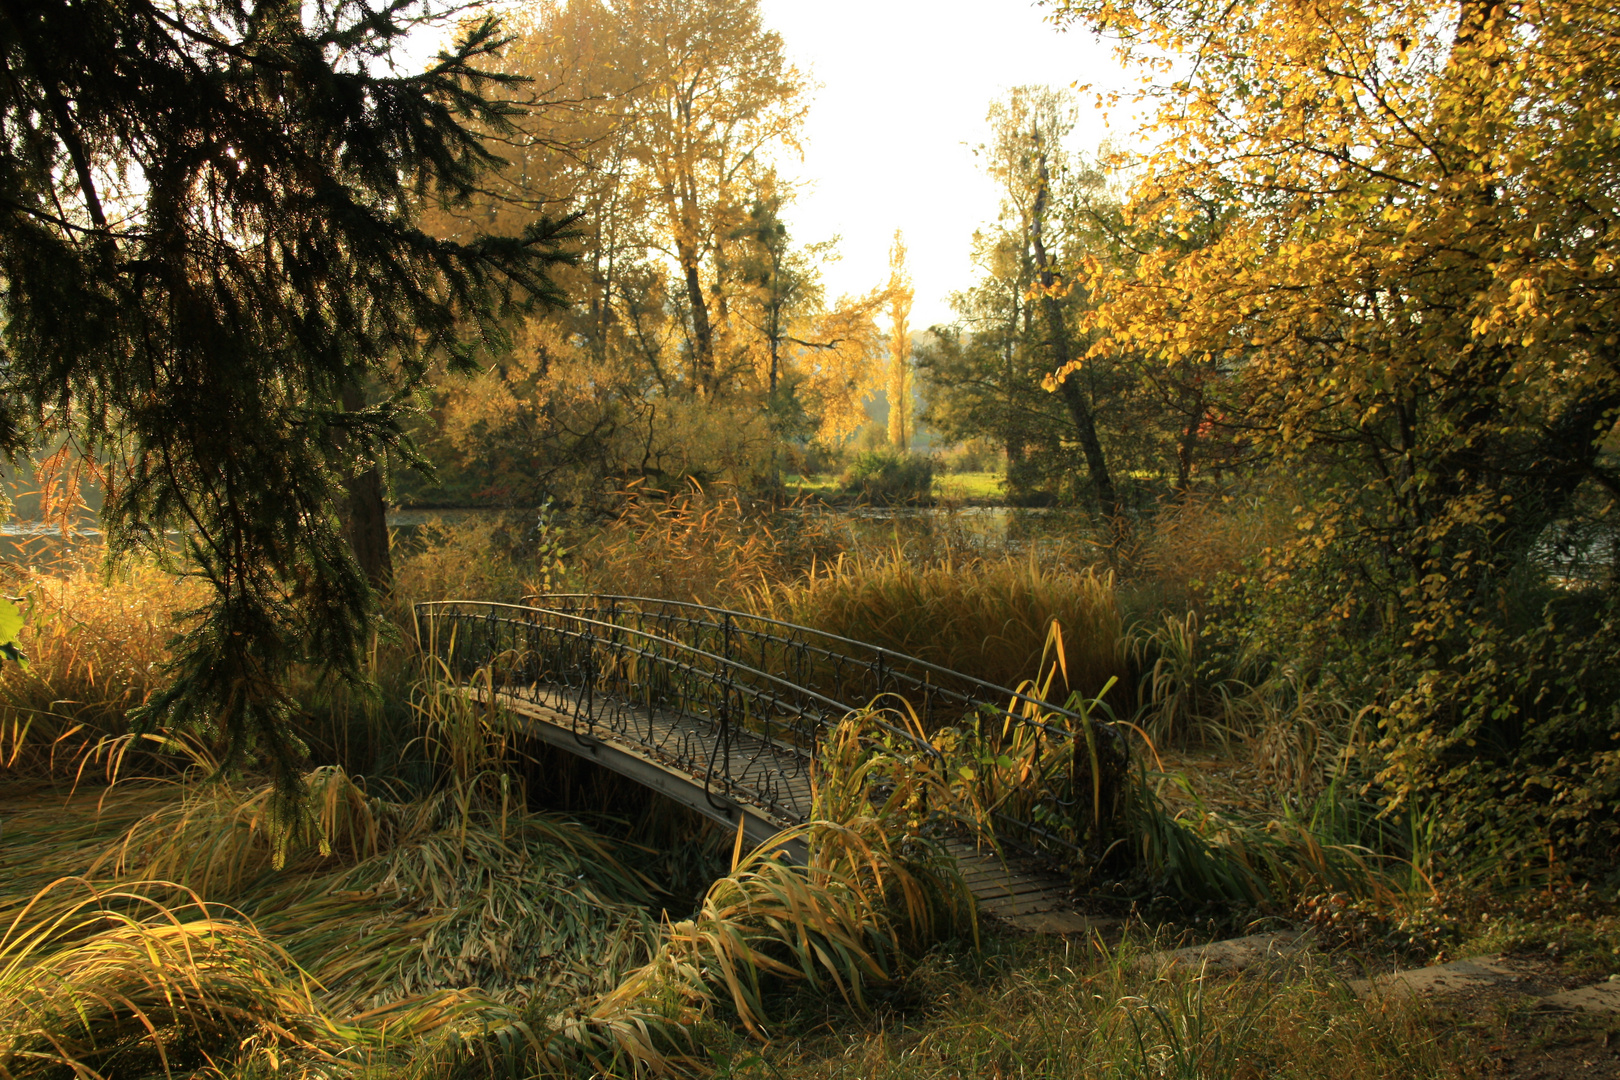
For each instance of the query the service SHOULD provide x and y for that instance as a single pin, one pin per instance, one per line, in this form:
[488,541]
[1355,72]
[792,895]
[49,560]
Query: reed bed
[96,645]
[707,545]
[989,617]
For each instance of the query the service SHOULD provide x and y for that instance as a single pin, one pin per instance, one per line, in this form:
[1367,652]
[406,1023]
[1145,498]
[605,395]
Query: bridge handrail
[729,662]
[842,665]
[904,658]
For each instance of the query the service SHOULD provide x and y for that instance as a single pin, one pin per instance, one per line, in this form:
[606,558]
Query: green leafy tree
[207,233]
[989,376]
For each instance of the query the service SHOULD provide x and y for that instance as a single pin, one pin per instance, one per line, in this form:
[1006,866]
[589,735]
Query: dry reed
[705,545]
[986,617]
[96,648]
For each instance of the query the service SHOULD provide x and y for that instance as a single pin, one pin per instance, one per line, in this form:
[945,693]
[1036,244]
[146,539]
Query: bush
[887,478]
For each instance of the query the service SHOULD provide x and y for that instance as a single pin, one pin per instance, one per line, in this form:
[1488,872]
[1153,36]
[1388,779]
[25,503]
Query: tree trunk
[1085,425]
[366,520]
[1085,429]
[702,333]
[1184,450]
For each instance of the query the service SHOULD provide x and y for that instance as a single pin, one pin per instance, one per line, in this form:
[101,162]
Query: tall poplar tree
[207,235]
[899,387]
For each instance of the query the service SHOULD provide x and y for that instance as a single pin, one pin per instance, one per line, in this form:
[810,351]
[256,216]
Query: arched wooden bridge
[724,711]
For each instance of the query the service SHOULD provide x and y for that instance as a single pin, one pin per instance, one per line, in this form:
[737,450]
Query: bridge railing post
[724,742]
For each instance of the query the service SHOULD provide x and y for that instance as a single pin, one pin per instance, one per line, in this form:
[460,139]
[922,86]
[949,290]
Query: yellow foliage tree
[697,334]
[1407,253]
[900,294]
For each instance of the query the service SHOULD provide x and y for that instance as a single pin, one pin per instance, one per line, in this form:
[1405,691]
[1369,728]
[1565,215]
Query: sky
[905,85]
[902,88]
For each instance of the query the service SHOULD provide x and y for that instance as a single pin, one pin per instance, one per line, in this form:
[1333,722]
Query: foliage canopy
[1394,226]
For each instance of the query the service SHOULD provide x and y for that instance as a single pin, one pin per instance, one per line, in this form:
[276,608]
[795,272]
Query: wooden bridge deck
[1012,890]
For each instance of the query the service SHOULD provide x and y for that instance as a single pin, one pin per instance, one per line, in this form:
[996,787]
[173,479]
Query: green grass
[952,487]
[823,484]
[975,486]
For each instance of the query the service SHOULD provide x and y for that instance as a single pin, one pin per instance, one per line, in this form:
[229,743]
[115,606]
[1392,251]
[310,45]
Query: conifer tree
[207,235]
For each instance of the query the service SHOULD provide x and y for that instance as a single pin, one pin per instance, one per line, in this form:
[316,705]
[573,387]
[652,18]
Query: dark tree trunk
[366,517]
[702,334]
[1184,450]
[1085,429]
[1085,425]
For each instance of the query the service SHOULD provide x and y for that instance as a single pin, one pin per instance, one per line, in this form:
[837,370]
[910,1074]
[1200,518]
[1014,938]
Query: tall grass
[432,920]
[96,647]
[708,545]
[1184,851]
[480,558]
[1193,544]
[108,976]
[422,910]
[989,617]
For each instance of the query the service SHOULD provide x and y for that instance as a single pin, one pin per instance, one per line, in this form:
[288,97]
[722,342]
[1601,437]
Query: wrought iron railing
[740,702]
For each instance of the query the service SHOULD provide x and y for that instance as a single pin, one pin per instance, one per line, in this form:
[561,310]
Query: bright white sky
[905,85]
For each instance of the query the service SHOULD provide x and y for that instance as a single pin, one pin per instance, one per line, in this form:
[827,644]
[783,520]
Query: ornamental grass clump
[97,976]
[383,919]
[985,617]
[877,891]
[165,925]
[96,647]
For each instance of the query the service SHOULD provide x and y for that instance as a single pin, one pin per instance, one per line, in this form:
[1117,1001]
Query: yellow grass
[985,617]
[96,648]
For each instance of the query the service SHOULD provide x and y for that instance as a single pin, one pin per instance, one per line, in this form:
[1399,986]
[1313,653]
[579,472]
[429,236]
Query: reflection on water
[37,543]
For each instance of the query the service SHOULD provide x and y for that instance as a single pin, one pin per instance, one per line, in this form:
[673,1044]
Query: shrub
[887,478]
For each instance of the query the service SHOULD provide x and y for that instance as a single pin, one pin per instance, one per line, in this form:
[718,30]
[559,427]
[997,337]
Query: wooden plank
[1011,887]
[1027,906]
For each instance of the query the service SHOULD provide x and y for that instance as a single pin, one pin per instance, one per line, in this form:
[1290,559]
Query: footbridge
[726,712]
